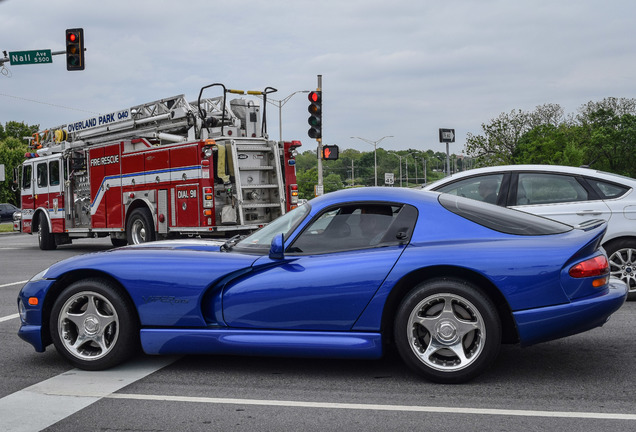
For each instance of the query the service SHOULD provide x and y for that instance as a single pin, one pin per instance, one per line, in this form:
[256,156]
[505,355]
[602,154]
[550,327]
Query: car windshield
[261,240]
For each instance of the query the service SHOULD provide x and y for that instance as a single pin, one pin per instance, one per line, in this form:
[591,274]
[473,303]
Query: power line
[47,103]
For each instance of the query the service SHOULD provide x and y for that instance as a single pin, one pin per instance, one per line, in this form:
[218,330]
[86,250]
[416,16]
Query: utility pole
[320,188]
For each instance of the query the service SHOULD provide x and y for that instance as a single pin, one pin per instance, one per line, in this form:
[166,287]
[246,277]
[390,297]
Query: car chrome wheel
[94,325]
[446,332]
[621,255]
[623,266]
[88,325]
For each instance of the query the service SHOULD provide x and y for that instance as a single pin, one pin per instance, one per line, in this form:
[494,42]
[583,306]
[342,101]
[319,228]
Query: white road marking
[72,391]
[67,393]
[9,317]
[373,407]
[13,283]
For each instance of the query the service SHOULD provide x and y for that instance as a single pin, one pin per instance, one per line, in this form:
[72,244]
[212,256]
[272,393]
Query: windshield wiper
[228,245]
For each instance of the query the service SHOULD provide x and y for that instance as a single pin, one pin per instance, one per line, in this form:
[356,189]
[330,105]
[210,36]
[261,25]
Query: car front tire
[447,330]
[93,325]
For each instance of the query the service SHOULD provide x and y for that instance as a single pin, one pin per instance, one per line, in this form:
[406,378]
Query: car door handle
[589,213]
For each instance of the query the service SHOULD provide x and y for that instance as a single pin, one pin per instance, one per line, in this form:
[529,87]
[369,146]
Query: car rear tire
[93,325]
[140,228]
[622,260]
[46,240]
[447,330]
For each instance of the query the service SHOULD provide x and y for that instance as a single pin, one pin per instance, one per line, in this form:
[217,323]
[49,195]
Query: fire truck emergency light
[75,49]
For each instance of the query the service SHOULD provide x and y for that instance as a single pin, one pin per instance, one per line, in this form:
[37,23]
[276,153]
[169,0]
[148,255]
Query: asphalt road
[583,383]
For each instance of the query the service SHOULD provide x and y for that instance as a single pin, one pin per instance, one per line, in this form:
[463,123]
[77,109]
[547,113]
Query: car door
[329,274]
[562,197]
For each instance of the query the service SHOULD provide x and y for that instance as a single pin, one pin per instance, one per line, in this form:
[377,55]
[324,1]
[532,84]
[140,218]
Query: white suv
[567,194]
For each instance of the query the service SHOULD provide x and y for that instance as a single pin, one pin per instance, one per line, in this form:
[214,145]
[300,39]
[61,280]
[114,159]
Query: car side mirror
[277,248]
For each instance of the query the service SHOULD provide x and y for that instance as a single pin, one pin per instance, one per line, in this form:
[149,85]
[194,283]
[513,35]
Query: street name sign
[30,57]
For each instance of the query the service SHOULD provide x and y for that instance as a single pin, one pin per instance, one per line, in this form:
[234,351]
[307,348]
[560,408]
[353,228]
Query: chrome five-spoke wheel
[447,330]
[94,325]
[88,325]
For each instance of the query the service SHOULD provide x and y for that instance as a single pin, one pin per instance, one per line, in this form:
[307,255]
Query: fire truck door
[41,186]
[48,191]
[187,205]
[105,174]
[112,187]
[98,203]
[28,197]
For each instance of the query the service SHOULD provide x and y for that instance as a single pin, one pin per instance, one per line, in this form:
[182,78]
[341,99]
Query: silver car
[568,194]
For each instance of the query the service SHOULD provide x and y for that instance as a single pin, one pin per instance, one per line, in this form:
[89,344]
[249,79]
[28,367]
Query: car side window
[356,226]
[608,190]
[482,188]
[541,188]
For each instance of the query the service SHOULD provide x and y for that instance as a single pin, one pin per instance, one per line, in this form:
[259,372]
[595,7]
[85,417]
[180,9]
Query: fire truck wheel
[118,242]
[94,325]
[46,240]
[139,228]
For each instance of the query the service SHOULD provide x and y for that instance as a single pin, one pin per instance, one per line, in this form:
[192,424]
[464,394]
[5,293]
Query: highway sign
[447,135]
[389,178]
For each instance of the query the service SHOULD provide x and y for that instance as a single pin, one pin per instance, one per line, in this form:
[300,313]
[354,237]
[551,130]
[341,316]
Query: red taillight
[597,266]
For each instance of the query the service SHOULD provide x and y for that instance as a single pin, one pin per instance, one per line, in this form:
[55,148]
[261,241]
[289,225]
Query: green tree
[18,130]
[497,144]
[11,156]
[612,142]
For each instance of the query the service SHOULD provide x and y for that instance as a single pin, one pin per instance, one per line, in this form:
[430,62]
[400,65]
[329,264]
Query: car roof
[385,194]
[562,169]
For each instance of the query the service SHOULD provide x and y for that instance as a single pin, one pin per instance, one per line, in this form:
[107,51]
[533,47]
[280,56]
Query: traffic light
[330,152]
[75,49]
[315,119]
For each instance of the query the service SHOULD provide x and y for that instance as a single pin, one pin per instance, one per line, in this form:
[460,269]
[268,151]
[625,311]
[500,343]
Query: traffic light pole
[320,179]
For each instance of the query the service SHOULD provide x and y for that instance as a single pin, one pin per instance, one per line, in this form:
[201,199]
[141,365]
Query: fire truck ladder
[259,187]
[169,119]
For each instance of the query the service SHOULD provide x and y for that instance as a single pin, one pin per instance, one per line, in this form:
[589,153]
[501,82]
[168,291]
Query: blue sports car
[444,279]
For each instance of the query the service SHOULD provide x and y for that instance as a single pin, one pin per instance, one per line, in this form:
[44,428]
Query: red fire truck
[164,169]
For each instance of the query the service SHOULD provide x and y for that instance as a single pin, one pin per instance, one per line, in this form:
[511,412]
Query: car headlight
[39,276]
[22,310]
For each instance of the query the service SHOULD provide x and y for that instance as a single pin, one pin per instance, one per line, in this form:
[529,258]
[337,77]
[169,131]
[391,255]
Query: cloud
[399,68]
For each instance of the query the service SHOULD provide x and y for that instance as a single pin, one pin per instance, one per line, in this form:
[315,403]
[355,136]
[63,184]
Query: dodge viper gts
[444,279]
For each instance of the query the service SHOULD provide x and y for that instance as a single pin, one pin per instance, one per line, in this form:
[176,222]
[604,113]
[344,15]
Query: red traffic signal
[75,49]
[315,118]
[330,152]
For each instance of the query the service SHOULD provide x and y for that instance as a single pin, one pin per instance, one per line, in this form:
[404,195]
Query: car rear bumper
[554,322]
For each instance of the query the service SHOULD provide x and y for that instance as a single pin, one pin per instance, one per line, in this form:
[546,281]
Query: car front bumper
[554,322]
[31,314]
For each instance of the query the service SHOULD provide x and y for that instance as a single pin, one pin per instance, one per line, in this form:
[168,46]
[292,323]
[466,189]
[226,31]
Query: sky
[395,68]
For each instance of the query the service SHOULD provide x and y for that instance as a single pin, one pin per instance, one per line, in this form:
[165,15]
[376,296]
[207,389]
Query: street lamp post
[280,103]
[375,153]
